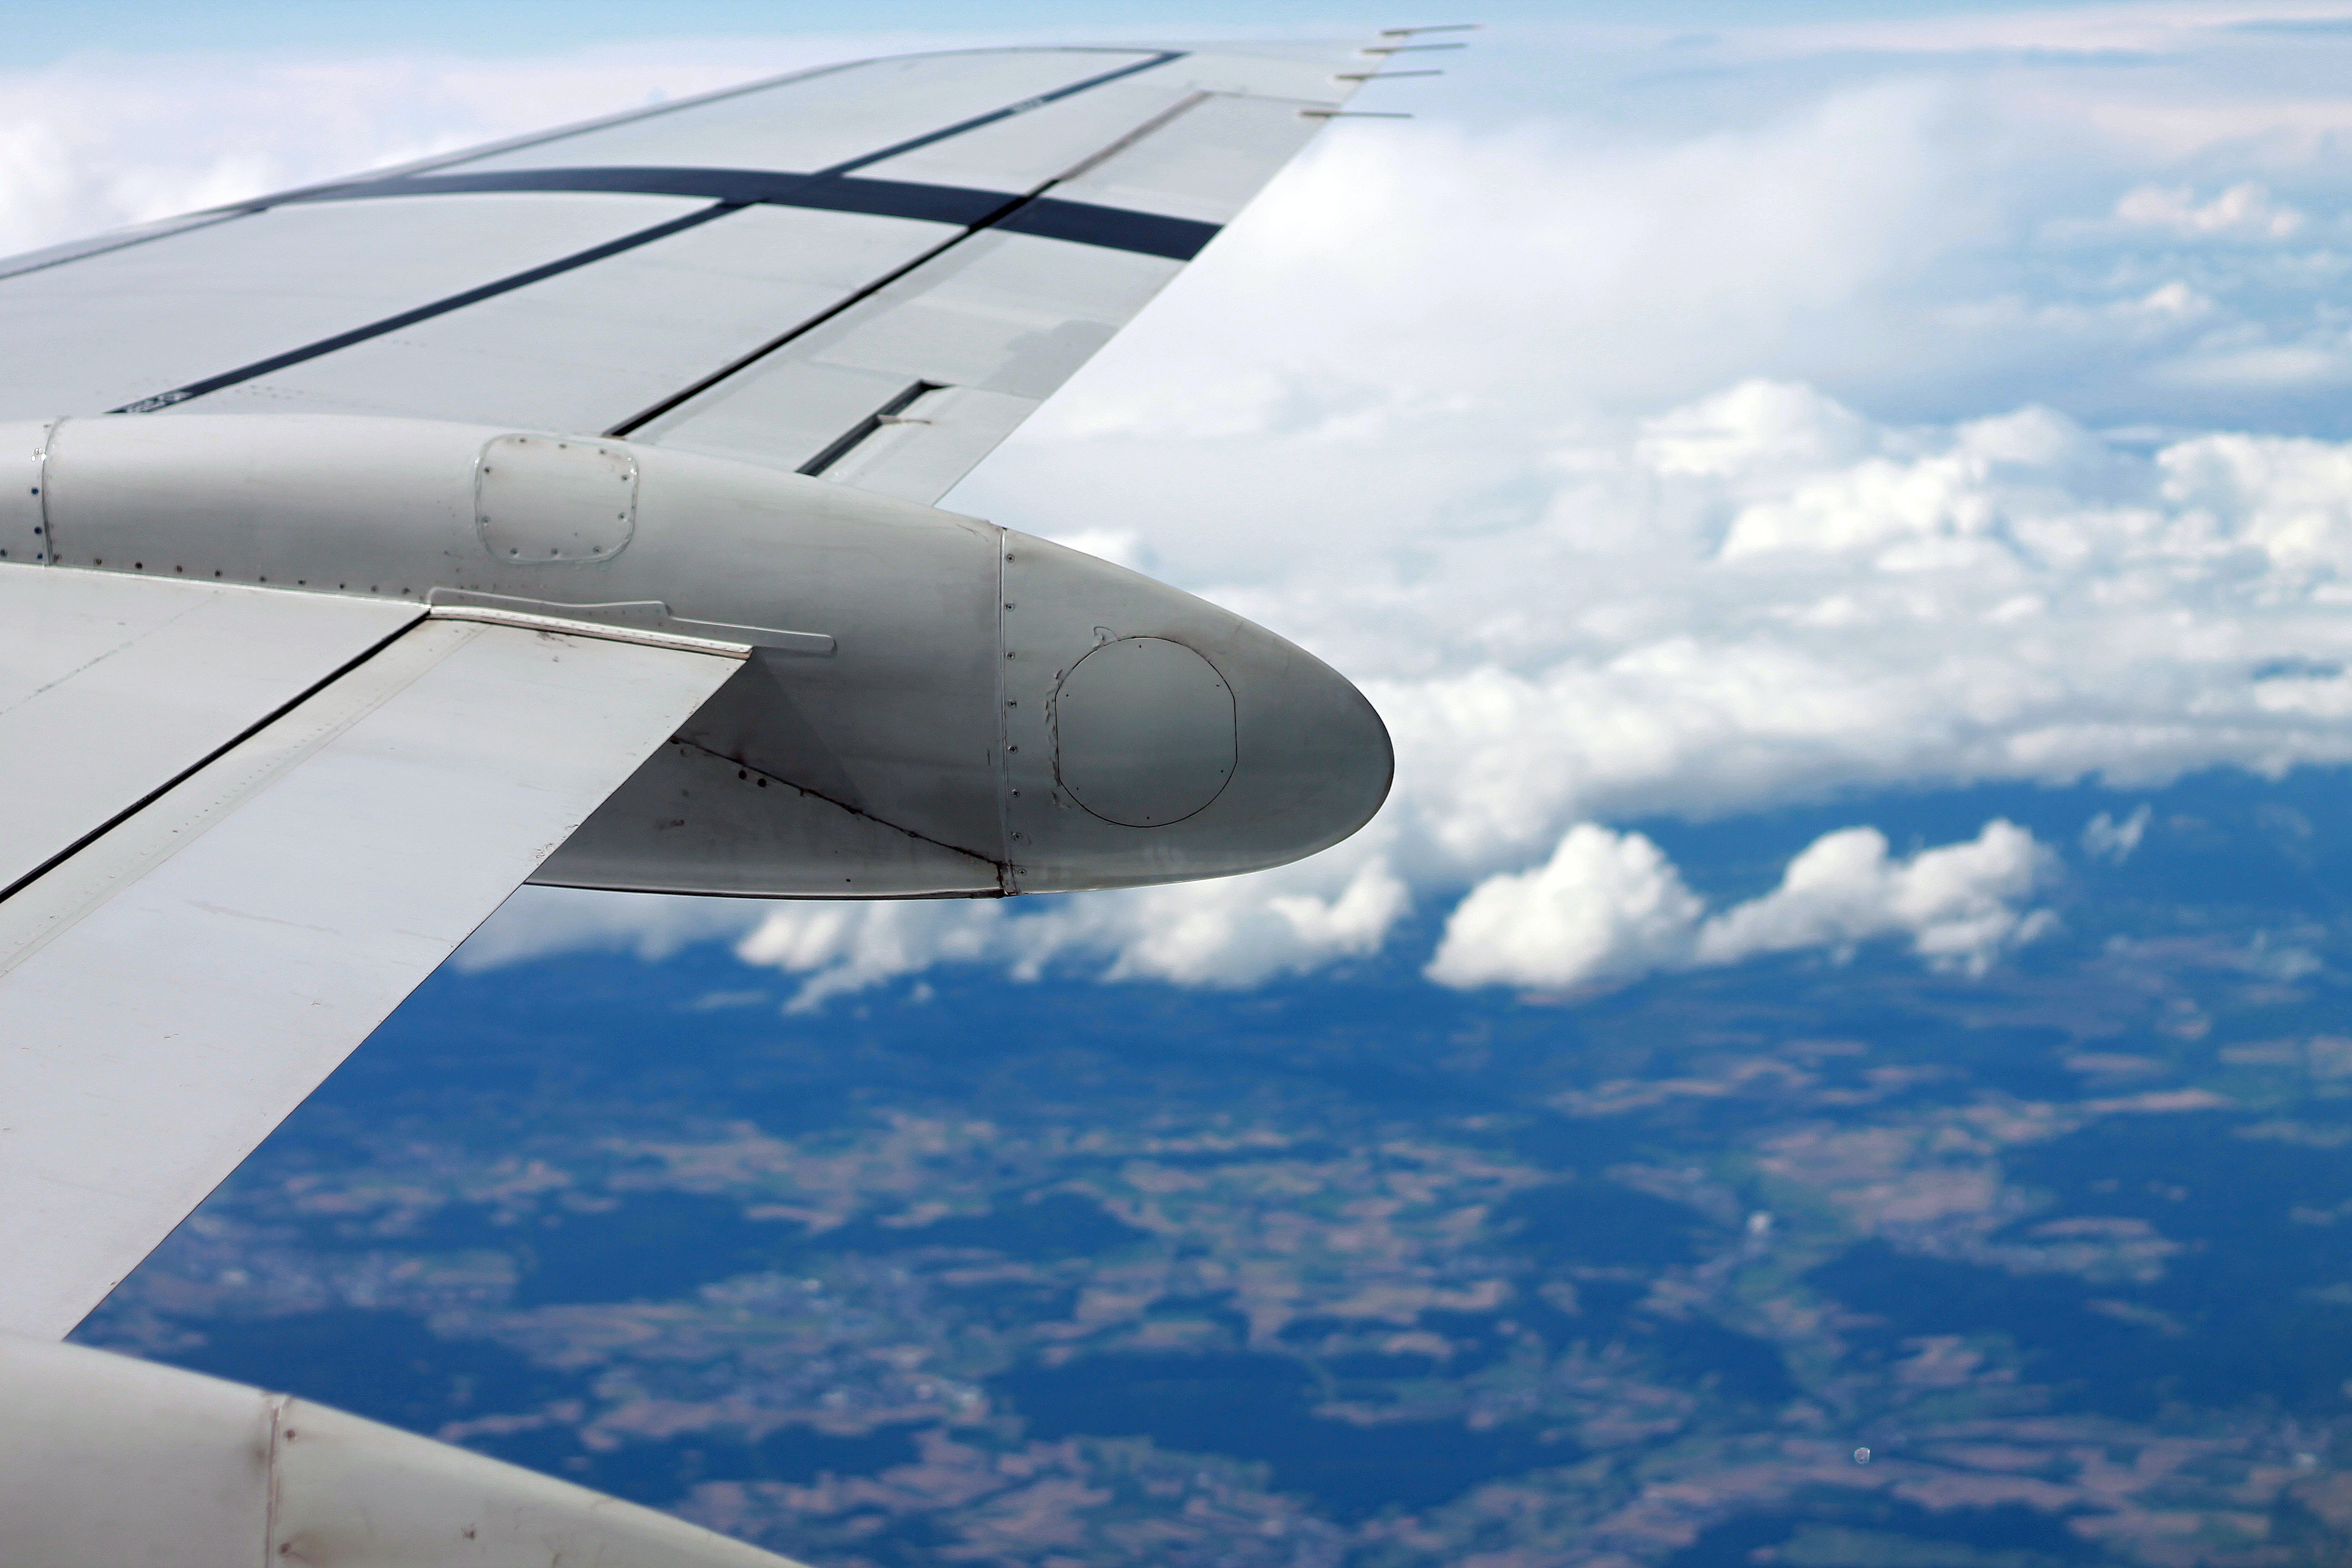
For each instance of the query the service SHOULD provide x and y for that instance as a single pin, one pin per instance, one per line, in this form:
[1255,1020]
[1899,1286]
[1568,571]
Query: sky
[1690,411]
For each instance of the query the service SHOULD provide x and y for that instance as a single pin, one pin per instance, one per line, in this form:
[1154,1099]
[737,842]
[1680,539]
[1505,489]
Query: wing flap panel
[585,349]
[1011,314]
[846,114]
[111,686]
[171,992]
[191,304]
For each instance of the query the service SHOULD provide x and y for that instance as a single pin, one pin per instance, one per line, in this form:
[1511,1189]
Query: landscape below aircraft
[561,512]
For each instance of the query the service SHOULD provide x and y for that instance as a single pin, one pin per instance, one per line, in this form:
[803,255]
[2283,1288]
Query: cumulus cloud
[1609,907]
[1605,907]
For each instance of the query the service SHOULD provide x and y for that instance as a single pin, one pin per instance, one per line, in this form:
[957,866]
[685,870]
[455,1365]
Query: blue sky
[1689,414]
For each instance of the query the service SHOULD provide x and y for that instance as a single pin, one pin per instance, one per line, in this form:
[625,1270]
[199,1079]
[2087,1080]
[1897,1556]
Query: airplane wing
[248,820]
[358,542]
[871,271]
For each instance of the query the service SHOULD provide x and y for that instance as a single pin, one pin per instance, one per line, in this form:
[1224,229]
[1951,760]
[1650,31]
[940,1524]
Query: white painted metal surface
[1009,314]
[1001,321]
[168,994]
[111,686]
[818,118]
[755,275]
[108,1462]
[94,334]
[588,348]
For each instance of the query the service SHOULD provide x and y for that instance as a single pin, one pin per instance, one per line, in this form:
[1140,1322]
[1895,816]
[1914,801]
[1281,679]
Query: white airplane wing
[872,271]
[358,542]
[245,825]
[245,821]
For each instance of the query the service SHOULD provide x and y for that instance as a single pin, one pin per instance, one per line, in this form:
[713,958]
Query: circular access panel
[1143,732]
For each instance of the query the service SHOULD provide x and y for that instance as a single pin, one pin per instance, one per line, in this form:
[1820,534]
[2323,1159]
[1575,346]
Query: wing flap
[585,348]
[188,306]
[112,686]
[170,991]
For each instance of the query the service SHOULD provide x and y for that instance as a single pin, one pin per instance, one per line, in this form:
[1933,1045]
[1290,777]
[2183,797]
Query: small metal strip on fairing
[888,412]
[557,624]
[647,621]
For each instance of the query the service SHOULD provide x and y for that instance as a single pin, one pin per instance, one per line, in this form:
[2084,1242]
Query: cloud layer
[1906,405]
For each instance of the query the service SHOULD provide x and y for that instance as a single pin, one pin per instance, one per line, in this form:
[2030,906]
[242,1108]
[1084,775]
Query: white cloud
[2244,211]
[1606,907]
[1959,904]
[2105,838]
[536,922]
[1609,907]
[1233,932]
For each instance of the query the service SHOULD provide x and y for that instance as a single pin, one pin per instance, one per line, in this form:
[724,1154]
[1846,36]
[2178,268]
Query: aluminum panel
[1019,153]
[819,118]
[111,686]
[587,349]
[1011,314]
[1001,321]
[1206,166]
[171,991]
[98,333]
